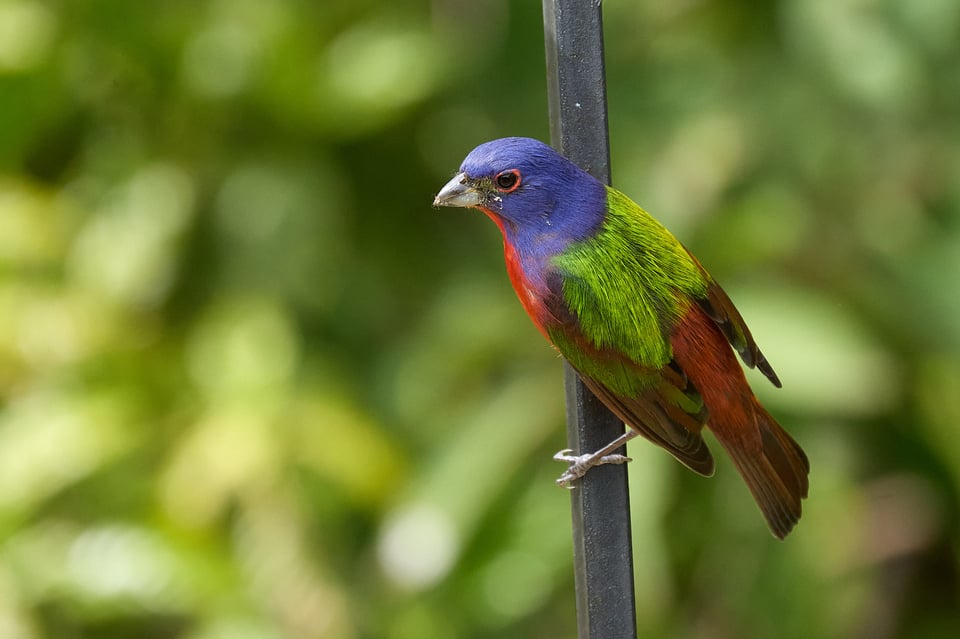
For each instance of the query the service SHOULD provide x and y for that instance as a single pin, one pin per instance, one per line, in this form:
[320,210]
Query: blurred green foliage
[253,386]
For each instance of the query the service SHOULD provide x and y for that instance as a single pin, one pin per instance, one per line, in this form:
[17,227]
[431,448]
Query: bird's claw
[580,464]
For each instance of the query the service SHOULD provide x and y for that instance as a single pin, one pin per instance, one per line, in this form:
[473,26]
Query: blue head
[539,198]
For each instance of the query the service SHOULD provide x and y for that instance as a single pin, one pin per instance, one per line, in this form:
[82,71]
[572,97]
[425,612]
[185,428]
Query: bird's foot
[580,464]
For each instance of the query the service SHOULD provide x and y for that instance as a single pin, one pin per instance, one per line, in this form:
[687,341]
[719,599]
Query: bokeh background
[254,386]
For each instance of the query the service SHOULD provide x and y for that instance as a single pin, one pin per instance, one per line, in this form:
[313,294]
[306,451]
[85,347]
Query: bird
[649,331]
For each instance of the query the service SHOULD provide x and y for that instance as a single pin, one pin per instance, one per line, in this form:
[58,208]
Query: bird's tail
[776,474]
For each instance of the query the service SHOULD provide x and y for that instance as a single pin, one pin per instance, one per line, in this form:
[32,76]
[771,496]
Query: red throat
[531,300]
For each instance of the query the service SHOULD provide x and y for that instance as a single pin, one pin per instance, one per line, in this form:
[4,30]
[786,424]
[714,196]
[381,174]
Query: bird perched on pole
[646,327]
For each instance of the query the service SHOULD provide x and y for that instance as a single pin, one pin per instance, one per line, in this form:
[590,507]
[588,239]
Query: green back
[628,286]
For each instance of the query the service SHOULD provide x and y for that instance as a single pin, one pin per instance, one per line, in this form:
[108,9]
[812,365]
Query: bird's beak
[458,192]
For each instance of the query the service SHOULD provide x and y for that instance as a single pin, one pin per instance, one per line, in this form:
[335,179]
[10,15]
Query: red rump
[702,352]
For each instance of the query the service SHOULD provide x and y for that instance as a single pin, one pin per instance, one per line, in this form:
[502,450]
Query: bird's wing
[661,416]
[664,406]
[725,315]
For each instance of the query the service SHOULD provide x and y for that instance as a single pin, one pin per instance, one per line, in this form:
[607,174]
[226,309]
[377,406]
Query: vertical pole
[602,548]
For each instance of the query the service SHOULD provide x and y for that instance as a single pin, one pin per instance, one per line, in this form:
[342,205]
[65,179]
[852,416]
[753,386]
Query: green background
[254,386]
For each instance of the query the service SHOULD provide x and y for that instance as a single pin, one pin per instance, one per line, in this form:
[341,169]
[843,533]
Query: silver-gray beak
[458,192]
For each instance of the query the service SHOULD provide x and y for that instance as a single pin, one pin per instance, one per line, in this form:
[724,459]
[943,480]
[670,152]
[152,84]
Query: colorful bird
[646,327]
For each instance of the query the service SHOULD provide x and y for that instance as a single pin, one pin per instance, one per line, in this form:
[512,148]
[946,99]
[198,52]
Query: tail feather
[776,475]
[773,465]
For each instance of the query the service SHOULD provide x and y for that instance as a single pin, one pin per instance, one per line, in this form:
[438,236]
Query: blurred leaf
[252,386]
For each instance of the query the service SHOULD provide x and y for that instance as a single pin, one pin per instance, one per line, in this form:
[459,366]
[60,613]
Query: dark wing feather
[725,315]
[662,416]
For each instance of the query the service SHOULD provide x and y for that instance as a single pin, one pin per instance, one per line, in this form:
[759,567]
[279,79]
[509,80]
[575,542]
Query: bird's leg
[580,464]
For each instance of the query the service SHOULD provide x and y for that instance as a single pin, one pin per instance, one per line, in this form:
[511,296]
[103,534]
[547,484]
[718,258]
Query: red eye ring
[507,181]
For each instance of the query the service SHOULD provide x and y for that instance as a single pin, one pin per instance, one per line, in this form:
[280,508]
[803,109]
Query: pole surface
[600,501]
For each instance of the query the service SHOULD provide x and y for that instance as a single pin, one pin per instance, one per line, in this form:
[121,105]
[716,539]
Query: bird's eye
[507,181]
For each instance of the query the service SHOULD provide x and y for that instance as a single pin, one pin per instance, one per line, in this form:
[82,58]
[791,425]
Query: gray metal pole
[600,502]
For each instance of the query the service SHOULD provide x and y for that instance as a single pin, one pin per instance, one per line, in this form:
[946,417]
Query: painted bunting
[646,327]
